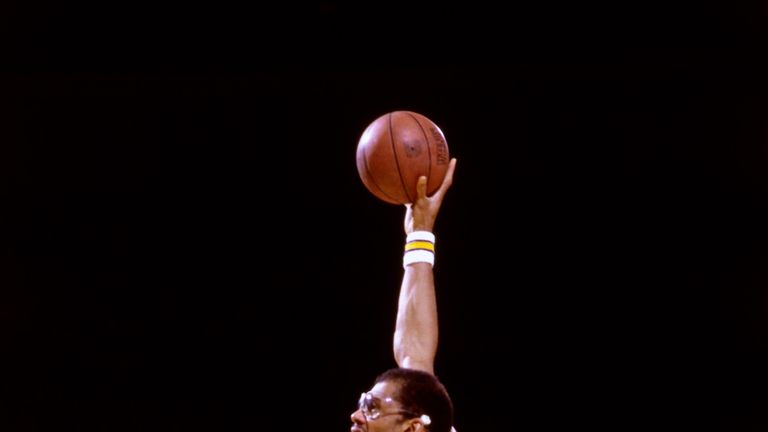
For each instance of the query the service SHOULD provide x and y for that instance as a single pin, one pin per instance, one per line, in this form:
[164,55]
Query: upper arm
[418,364]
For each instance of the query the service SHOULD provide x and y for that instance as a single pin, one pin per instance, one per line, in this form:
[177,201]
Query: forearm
[415,341]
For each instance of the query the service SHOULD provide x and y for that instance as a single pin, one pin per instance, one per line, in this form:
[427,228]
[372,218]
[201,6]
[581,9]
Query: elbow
[401,353]
[407,357]
[409,354]
[408,362]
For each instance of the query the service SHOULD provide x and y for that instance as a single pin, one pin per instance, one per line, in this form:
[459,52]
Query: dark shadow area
[187,244]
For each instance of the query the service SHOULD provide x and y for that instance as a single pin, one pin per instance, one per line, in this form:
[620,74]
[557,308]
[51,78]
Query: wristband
[419,247]
[420,235]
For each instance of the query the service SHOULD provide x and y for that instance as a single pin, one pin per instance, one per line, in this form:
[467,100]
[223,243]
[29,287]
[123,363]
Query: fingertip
[452,166]
[421,187]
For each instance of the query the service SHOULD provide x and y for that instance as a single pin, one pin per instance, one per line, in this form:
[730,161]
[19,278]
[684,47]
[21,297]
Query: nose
[357,417]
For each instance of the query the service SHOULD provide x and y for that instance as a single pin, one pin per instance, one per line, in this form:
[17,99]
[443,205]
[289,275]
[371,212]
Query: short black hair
[422,393]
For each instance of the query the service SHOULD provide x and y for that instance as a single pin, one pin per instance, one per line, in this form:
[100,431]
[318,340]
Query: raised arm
[416,330]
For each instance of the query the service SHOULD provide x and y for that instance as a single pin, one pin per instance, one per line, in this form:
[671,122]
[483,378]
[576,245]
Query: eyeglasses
[370,406]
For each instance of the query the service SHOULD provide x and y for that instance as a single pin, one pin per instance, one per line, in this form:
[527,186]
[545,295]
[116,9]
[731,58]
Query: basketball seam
[372,178]
[429,148]
[397,161]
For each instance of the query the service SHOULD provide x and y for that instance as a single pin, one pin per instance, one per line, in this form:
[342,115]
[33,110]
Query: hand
[421,215]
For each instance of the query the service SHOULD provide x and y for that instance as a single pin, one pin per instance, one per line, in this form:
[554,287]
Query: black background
[187,244]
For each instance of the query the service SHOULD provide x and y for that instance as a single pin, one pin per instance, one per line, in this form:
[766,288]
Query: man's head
[404,400]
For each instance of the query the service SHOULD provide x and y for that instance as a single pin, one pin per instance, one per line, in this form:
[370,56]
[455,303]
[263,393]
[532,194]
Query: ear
[415,425]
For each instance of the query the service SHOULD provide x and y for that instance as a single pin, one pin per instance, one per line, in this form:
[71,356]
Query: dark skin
[416,329]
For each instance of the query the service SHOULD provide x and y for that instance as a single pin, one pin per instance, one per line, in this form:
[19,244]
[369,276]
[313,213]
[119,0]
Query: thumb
[421,187]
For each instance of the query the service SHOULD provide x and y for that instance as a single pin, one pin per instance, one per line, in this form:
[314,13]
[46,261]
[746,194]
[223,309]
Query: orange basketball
[395,150]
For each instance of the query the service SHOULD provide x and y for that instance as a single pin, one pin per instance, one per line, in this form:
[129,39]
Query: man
[410,398]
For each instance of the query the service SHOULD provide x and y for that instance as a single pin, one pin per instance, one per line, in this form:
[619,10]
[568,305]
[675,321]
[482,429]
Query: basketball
[398,148]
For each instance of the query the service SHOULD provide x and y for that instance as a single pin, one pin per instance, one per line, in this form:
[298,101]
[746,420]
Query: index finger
[447,180]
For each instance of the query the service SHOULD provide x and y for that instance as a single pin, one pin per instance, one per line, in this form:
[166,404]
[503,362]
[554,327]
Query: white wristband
[418,255]
[419,247]
[420,235]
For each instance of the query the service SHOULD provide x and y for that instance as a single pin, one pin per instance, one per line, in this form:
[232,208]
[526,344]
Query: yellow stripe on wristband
[419,244]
